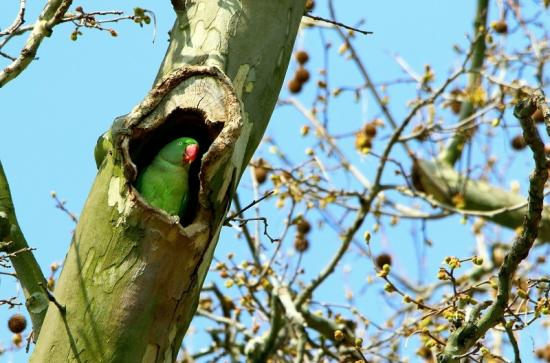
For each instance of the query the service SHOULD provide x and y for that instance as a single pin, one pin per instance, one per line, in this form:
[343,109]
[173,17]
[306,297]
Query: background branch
[452,153]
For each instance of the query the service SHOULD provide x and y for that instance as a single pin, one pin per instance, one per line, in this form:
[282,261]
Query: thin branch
[6,55]
[53,14]
[51,298]
[18,21]
[250,205]
[60,204]
[329,268]
[513,342]
[224,320]
[243,221]
[333,22]
[368,81]
[246,232]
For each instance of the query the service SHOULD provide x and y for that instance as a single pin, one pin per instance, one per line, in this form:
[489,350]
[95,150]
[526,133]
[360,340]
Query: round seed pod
[303,226]
[17,323]
[301,244]
[294,86]
[518,142]
[260,172]
[310,4]
[500,27]
[302,57]
[301,75]
[370,130]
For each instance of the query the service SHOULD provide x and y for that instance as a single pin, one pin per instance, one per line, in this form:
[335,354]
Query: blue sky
[51,115]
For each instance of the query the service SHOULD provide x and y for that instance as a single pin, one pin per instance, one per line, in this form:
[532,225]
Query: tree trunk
[131,280]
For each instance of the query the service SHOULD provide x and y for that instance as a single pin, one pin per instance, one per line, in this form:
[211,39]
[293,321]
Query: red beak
[191,153]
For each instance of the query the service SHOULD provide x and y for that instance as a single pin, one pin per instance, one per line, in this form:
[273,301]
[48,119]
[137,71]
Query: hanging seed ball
[370,130]
[302,57]
[294,86]
[303,226]
[547,148]
[383,259]
[518,142]
[301,244]
[537,116]
[260,172]
[301,75]
[500,27]
[455,104]
[310,4]
[17,323]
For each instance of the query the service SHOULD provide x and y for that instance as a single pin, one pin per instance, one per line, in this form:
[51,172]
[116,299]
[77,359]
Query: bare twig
[18,21]
[60,204]
[333,22]
[250,205]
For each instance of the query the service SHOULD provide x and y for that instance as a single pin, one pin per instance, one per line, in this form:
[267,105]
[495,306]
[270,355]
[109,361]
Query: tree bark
[132,277]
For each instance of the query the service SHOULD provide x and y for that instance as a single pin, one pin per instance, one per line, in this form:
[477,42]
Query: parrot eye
[180,143]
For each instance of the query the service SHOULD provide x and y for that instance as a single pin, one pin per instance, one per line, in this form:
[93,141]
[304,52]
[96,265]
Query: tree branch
[466,337]
[27,269]
[51,16]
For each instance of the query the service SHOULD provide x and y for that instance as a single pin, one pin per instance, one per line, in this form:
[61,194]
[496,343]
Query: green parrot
[165,182]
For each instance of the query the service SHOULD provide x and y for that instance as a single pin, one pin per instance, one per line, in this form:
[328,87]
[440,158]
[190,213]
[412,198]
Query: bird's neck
[166,164]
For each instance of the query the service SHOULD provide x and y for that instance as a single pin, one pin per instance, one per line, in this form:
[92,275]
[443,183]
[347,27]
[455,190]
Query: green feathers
[164,183]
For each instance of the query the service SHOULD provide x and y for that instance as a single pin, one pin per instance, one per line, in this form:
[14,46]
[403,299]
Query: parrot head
[183,150]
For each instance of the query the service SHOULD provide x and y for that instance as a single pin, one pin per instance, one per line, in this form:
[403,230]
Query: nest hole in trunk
[146,143]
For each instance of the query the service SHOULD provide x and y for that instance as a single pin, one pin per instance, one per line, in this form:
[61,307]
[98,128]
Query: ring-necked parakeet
[165,182]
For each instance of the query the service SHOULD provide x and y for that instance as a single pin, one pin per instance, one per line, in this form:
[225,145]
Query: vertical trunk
[132,277]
